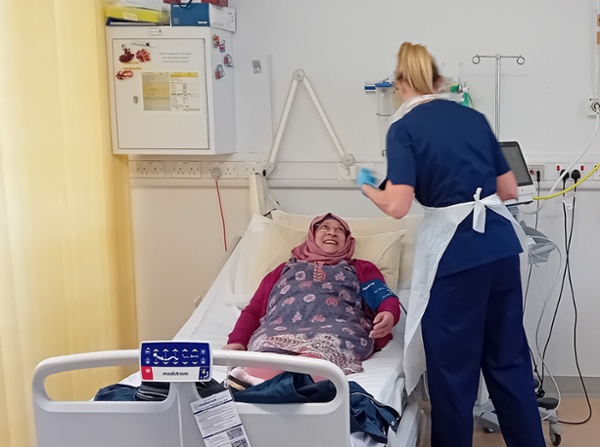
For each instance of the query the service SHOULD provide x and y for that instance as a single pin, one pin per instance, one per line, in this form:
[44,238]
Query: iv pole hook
[520,61]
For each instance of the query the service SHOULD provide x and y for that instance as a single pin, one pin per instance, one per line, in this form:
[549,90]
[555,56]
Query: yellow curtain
[66,276]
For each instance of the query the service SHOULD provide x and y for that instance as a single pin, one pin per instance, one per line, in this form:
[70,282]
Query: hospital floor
[571,409]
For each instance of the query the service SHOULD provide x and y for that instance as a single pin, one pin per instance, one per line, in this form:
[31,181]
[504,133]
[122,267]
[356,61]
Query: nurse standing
[465,308]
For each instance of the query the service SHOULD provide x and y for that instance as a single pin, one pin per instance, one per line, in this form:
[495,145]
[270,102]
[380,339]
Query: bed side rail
[170,422]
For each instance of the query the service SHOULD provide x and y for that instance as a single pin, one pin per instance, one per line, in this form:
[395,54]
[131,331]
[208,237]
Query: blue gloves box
[203,14]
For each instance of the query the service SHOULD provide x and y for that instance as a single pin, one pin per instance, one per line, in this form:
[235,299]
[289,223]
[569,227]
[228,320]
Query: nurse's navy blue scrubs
[474,317]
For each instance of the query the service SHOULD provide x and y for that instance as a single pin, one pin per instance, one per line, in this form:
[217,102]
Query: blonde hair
[416,67]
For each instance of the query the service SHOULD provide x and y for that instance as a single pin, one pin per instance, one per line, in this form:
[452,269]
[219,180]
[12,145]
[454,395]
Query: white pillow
[266,244]
[359,226]
[367,227]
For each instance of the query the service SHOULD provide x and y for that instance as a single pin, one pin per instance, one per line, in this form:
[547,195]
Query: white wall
[341,45]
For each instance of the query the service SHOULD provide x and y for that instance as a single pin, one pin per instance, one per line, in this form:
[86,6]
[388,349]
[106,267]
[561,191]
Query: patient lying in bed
[320,303]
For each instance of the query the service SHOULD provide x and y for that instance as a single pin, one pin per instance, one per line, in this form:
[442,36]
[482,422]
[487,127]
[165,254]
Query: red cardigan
[249,320]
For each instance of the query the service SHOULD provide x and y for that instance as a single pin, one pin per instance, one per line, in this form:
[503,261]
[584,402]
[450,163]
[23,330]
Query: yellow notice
[171,92]
[156,91]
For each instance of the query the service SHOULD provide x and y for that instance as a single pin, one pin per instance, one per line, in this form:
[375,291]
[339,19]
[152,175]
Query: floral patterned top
[314,309]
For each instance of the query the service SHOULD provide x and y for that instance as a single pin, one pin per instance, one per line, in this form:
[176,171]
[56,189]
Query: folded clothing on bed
[150,391]
[366,413]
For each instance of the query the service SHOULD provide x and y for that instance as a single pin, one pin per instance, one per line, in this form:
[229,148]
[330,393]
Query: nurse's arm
[506,186]
[394,200]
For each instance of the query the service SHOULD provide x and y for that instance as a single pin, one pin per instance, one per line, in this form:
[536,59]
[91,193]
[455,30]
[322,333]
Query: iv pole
[520,61]
[484,409]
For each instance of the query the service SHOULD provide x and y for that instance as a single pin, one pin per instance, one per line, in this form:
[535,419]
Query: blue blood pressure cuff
[374,292]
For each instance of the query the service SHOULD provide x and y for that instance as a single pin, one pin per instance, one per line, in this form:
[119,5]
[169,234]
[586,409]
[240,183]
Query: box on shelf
[203,14]
[136,14]
[185,2]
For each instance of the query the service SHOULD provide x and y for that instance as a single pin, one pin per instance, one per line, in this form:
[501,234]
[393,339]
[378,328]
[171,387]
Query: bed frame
[171,422]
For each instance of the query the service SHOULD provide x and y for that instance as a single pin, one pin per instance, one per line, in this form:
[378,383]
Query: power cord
[216,174]
[575,175]
[568,235]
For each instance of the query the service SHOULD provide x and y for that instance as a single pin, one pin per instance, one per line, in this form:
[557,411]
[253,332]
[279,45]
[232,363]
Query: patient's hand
[382,324]
[236,346]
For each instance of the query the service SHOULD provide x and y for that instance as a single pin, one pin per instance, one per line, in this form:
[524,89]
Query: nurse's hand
[234,347]
[382,324]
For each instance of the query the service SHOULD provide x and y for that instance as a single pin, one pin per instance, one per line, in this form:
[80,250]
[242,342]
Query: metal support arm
[298,76]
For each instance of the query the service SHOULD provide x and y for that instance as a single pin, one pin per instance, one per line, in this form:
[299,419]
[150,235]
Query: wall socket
[149,169]
[186,169]
[228,170]
[246,169]
[534,168]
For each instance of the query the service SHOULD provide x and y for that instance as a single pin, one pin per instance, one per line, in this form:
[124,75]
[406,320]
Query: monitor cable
[568,238]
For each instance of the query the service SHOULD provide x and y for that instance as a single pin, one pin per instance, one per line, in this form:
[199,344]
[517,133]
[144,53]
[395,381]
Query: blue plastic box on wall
[203,14]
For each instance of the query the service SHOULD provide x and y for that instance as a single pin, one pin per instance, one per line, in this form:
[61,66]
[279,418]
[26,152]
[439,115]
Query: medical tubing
[550,194]
[572,187]
[568,169]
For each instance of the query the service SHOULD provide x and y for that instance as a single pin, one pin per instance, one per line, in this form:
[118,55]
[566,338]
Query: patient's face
[330,236]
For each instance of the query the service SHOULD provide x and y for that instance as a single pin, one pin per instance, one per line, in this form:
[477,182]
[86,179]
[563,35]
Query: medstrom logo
[175,373]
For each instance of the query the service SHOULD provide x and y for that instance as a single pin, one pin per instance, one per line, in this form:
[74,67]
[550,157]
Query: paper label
[219,421]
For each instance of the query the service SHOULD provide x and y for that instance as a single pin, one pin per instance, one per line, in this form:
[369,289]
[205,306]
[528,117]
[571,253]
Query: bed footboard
[171,422]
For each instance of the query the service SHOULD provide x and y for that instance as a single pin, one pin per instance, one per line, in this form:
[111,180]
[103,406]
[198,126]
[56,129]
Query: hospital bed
[171,422]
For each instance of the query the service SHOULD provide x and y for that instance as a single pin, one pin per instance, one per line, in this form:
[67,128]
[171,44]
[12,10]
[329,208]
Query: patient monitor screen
[516,162]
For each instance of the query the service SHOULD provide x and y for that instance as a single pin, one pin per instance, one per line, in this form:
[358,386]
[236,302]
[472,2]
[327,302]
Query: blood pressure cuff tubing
[374,292]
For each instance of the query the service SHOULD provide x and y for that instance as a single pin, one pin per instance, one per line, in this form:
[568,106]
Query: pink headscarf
[310,251]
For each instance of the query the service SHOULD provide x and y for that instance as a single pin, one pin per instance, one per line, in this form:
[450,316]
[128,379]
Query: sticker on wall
[222,46]
[127,55]
[228,60]
[216,41]
[219,72]
[142,55]
[124,74]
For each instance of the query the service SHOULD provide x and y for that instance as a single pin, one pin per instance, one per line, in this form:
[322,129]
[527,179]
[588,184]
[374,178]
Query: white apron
[436,231]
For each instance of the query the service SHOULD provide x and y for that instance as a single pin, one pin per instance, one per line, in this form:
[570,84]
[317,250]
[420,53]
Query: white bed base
[171,422]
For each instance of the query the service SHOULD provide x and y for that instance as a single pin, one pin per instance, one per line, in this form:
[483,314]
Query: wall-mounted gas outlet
[593,107]
[186,169]
[149,169]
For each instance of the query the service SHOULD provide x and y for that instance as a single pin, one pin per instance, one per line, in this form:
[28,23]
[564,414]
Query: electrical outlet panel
[557,170]
[534,168]
[186,169]
[228,170]
[149,169]
[246,169]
